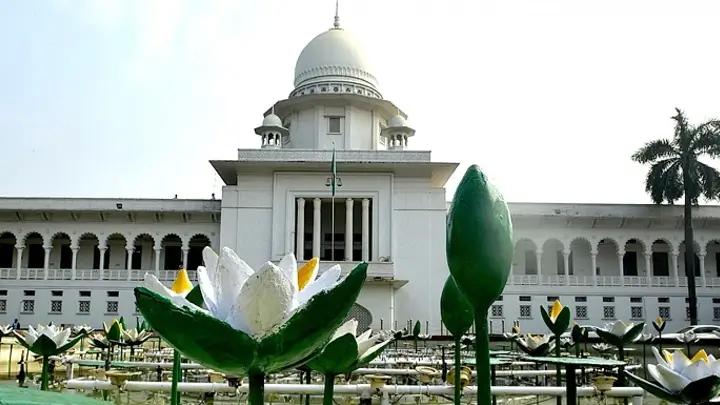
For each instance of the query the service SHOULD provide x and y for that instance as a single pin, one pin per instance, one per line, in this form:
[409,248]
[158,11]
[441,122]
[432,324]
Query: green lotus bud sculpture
[345,353]
[681,380]
[457,315]
[479,253]
[255,322]
[47,341]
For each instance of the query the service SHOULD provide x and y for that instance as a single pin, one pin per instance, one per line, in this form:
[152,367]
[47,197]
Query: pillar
[701,258]
[674,268]
[74,261]
[348,229]
[186,251]
[620,256]
[46,264]
[566,263]
[129,251]
[157,250]
[300,230]
[102,250]
[19,260]
[316,227]
[593,264]
[366,230]
[538,259]
[648,268]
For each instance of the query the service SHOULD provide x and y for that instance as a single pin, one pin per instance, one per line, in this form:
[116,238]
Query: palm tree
[676,171]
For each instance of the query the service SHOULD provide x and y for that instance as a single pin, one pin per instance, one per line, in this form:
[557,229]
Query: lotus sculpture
[253,322]
[46,341]
[535,345]
[680,379]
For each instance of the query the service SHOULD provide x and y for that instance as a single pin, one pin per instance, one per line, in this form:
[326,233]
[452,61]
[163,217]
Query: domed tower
[397,133]
[272,132]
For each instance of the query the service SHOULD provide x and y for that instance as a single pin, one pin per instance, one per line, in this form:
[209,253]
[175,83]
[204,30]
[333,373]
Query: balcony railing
[90,274]
[607,281]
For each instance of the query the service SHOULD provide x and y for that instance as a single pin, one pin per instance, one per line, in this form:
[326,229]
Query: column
[186,251]
[316,227]
[74,261]
[129,251]
[538,259]
[366,230]
[620,255]
[566,263]
[348,229]
[300,230]
[701,257]
[157,250]
[648,268]
[19,260]
[593,264]
[674,268]
[102,250]
[46,264]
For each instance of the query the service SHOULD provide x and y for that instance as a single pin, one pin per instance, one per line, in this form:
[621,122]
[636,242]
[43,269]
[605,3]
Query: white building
[76,260]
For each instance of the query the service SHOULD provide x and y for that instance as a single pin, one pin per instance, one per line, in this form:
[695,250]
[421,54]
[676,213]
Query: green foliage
[456,311]
[195,296]
[479,240]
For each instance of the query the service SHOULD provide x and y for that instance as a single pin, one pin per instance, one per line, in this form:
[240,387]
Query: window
[608,299]
[608,312]
[36,256]
[28,306]
[55,306]
[664,313]
[84,307]
[581,312]
[4,293]
[552,298]
[636,299]
[687,313]
[334,124]
[663,300]
[716,312]
[530,262]
[500,298]
[525,311]
[85,293]
[715,300]
[29,293]
[6,255]
[173,257]
[113,293]
[580,299]
[636,312]
[660,265]
[112,307]
[3,306]
[65,257]
[496,311]
[333,246]
[630,264]
[560,260]
[137,258]
[57,293]
[525,298]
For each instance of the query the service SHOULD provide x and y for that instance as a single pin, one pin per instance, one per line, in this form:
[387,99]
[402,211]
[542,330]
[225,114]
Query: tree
[676,171]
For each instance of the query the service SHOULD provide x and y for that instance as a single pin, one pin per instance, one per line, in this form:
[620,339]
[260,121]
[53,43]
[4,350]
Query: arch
[8,241]
[633,257]
[143,251]
[661,249]
[681,259]
[116,253]
[525,257]
[607,257]
[171,253]
[712,258]
[60,252]
[34,245]
[580,261]
[196,244]
[88,256]
[553,261]
[33,235]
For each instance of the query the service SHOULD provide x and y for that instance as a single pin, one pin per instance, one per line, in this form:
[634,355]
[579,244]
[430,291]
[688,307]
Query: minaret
[271,131]
[336,23]
[397,133]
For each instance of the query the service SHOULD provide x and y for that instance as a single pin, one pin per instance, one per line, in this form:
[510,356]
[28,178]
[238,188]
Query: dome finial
[336,24]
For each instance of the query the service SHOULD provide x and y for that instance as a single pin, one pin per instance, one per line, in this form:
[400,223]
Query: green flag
[333,173]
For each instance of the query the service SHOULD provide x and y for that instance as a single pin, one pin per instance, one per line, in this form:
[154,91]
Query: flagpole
[332,227]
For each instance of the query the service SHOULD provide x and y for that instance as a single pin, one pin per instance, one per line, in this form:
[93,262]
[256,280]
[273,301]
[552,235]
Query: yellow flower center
[306,272]
[182,284]
[659,321]
[555,310]
[700,356]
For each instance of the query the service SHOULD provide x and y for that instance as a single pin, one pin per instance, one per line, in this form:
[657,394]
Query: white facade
[76,260]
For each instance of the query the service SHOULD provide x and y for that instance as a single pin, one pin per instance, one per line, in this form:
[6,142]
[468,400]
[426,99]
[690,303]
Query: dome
[272,120]
[334,56]
[396,121]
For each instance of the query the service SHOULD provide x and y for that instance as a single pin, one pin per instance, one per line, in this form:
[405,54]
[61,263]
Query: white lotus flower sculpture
[621,333]
[680,379]
[46,341]
[348,351]
[253,322]
[5,330]
[82,329]
[535,345]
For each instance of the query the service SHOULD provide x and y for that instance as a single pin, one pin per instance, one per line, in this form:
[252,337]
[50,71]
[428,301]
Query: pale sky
[104,98]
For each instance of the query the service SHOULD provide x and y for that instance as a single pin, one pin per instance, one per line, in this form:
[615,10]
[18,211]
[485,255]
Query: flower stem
[482,358]
[558,371]
[329,389]
[44,381]
[458,365]
[174,394]
[256,389]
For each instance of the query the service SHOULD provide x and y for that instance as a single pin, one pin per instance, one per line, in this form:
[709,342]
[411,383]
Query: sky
[109,98]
